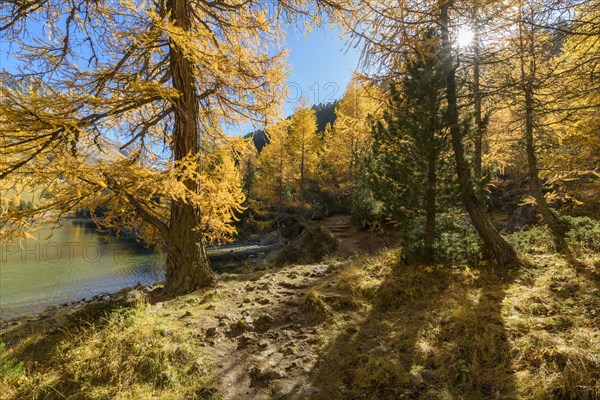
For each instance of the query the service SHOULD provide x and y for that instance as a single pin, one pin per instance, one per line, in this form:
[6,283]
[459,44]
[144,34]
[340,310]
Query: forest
[434,233]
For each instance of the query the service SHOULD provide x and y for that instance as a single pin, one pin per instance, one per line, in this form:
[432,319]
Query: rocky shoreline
[223,258]
[127,295]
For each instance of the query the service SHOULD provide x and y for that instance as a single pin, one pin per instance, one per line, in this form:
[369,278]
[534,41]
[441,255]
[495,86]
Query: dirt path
[265,333]
[261,339]
[259,334]
[351,239]
[365,328]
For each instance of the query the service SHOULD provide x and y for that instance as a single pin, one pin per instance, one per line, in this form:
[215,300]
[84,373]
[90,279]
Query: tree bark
[302,173]
[431,189]
[503,252]
[477,162]
[430,209]
[535,183]
[188,267]
[280,193]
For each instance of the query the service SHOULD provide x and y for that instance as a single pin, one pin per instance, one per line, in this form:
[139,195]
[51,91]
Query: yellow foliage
[54,128]
[350,136]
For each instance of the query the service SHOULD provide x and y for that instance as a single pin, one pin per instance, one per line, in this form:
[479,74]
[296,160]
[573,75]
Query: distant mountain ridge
[110,150]
[325,113]
[107,151]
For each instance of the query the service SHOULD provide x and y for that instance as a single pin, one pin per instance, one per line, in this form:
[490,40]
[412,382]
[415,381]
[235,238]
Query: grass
[456,333]
[555,330]
[128,353]
[583,236]
[386,330]
[11,369]
[315,305]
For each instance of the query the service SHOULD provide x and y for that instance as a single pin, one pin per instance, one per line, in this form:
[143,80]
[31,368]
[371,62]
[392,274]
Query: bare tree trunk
[280,194]
[503,252]
[302,174]
[431,189]
[477,162]
[430,209]
[352,159]
[354,143]
[535,183]
[187,263]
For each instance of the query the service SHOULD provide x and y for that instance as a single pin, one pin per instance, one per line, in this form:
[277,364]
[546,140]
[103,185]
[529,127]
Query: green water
[76,262]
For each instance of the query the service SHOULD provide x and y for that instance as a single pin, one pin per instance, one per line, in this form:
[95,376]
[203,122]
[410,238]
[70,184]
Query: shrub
[11,369]
[363,206]
[310,248]
[457,242]
[583,233]
[536,240]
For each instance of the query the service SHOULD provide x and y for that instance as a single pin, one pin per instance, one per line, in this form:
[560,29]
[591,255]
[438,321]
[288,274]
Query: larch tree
[574,156]
[477,96]
[271,197]
[305,146]
[407,145]
[162,76]
[534,71]
[348,140]
[540,95]
[478,58]
[530,59]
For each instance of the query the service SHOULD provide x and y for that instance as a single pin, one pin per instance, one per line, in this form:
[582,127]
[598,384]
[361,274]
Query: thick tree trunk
[187,264]
[503,252]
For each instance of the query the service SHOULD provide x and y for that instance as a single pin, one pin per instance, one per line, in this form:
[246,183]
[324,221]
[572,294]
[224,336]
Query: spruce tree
[406,150]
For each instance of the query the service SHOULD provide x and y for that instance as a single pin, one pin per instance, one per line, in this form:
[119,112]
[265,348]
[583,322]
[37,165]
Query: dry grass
[390,331]
[454,333]
[553,318]
[314,304]
[130,353]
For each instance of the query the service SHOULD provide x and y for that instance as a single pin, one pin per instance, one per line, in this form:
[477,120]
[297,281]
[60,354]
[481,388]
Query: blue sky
[320,68]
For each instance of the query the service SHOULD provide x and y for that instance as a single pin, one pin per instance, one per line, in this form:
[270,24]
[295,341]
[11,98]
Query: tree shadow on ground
[428,334]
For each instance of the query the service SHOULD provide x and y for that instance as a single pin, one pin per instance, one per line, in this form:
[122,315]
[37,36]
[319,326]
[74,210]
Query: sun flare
[465,37]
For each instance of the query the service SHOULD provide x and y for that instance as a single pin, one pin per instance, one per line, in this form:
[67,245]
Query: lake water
[76,262]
